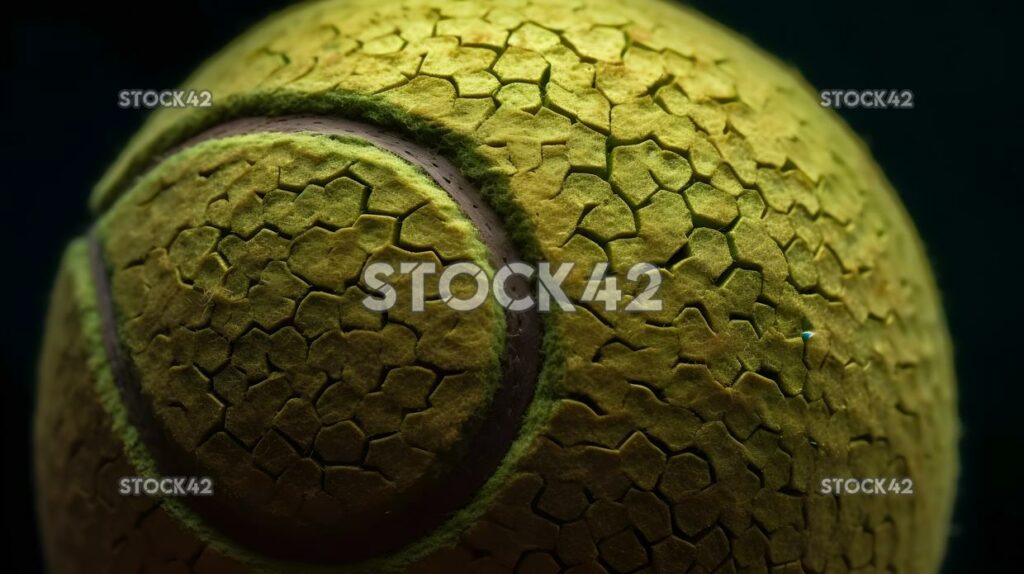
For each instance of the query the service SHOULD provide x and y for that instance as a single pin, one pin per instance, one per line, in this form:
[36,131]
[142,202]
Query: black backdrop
[953,158]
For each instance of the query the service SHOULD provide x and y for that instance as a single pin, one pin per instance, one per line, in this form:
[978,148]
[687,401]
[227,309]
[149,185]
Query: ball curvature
[691,438]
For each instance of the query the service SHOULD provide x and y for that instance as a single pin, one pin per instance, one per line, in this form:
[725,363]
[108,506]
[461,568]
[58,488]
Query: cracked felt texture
[81,445]
[691,439]
[235,269]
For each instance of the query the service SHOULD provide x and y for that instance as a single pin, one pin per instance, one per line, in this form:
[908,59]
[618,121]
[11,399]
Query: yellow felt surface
[694,438]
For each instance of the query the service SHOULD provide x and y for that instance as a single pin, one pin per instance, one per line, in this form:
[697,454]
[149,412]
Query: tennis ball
[217,396]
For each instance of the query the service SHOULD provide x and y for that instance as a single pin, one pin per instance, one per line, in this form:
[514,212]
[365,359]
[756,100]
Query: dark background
[953,158]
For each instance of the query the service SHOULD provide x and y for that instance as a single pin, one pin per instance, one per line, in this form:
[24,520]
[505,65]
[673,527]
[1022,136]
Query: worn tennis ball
[212,325]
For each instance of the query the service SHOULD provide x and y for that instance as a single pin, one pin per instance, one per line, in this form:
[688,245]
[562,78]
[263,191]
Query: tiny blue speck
[806,335]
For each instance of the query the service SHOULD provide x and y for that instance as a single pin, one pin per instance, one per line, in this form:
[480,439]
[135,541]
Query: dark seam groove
[520,368]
